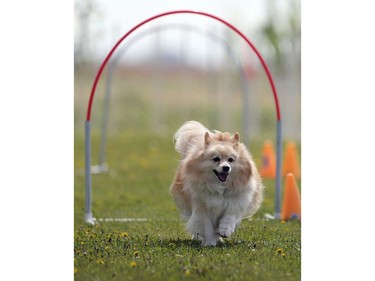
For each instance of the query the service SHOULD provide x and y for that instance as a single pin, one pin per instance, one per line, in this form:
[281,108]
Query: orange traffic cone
[268,168]
[291,162]
[292,200]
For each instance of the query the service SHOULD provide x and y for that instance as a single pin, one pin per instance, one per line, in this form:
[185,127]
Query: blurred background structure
[187,67]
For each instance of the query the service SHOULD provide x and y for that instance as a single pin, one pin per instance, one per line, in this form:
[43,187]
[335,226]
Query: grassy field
[136,186]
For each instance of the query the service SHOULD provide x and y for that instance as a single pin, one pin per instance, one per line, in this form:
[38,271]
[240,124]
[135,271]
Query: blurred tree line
[84,13]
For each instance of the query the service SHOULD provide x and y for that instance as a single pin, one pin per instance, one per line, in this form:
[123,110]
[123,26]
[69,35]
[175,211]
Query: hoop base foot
[89,218]
[98,169]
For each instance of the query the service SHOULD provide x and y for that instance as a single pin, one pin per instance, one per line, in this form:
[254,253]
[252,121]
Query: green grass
[141,170]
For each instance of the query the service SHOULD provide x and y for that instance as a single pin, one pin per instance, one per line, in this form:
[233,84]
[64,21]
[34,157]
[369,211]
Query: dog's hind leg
[181,198]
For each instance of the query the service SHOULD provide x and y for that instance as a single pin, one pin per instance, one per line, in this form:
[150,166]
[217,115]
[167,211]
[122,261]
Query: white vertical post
[103,136]
[88,213]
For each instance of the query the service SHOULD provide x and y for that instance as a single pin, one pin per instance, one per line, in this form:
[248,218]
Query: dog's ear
[207,138]
[236,138]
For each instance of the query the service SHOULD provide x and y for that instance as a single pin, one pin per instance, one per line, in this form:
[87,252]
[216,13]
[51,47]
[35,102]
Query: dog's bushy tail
[189,135]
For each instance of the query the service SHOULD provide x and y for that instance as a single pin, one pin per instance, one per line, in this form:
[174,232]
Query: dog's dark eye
[216,159]
[230,159]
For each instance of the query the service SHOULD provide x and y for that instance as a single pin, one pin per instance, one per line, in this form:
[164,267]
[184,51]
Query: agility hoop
[88,180]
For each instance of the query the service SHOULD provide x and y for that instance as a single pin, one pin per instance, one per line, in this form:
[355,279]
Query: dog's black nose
[225,168]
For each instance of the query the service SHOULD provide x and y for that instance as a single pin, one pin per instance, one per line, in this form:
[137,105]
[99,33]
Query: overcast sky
[113,18]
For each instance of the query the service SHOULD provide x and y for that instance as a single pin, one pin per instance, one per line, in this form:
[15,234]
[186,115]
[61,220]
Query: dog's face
[221,161]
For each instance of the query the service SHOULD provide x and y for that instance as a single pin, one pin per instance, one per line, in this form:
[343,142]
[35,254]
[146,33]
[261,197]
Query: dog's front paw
[196,237]
[209,242]
[226,230]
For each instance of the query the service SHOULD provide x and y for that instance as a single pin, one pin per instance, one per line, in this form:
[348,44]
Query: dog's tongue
[222,176]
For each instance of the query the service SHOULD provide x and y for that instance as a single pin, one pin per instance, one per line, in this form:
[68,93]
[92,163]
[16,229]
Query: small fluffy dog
[216,183]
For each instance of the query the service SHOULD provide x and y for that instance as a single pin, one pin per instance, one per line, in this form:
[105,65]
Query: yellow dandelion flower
[136,253]
[124,234]
[133,264]
[280,251]
[100,261]
[283,254]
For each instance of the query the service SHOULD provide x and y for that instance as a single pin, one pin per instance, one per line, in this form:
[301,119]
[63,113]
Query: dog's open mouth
[221,176]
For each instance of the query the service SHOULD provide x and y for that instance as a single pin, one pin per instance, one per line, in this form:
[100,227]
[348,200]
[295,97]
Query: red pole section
[269,76]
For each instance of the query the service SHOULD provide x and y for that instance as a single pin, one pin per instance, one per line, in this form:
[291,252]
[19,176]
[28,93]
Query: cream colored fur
[217,183]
